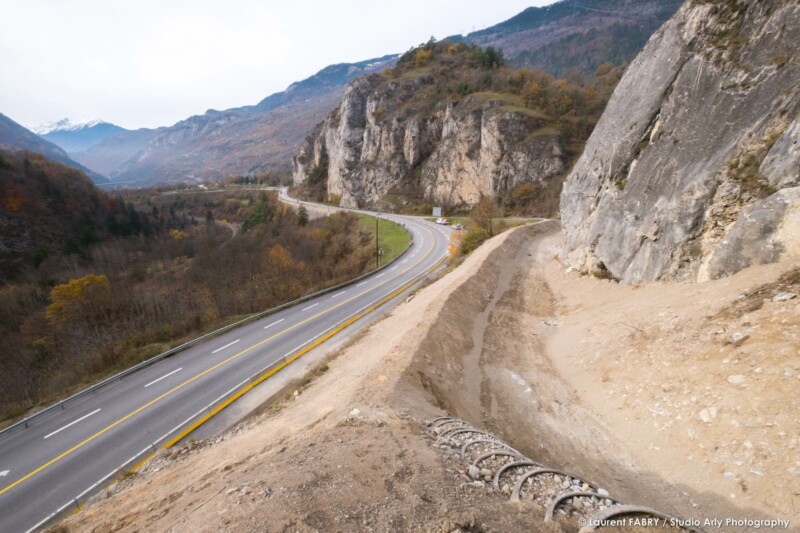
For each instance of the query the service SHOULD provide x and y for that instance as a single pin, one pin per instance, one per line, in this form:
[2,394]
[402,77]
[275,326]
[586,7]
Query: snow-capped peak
[66,124]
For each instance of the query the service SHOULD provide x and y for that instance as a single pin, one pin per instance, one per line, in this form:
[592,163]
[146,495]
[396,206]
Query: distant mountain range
[578,34]
[76,136]
[14,136]
[235,141]
[66,124]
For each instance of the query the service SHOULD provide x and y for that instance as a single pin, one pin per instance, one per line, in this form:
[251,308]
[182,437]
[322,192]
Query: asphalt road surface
[72,453]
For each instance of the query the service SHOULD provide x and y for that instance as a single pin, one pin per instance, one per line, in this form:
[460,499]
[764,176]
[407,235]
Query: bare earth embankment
[646,392]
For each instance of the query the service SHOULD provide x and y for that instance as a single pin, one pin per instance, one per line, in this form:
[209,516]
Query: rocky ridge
[453,152]
[693,170]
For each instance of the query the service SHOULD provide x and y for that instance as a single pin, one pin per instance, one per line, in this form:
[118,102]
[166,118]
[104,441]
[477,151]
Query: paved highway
[67,454]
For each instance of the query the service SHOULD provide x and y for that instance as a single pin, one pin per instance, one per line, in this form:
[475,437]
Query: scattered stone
[474,472]
[585,487]
[783,296]
[485,472]
[737,379]
[730,476]
[738,338]
[708,414]
[603,492]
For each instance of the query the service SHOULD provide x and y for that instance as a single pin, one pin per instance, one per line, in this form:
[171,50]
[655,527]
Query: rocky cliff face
[381,139]
[693,171]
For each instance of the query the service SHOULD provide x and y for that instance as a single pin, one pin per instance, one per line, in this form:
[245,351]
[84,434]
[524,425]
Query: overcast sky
[150,63]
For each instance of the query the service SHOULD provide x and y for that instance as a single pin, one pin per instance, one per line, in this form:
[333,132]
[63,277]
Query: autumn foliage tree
[73,318]
[85,299]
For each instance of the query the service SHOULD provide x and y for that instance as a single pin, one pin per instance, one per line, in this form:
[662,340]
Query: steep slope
[45,207]
[231,142]
[693,170]
[577,34]
[16,137]
[331,77]
[448,125]
[75,136]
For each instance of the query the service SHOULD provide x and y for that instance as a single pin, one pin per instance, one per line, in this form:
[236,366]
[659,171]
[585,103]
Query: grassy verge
[393,238]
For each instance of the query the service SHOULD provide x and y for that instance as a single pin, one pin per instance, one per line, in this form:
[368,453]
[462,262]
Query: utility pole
[377,245]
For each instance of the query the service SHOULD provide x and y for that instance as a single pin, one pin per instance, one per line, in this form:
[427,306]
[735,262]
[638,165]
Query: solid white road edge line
[51,515]
[229,344]
[165,376]
[72,423]
[104,478]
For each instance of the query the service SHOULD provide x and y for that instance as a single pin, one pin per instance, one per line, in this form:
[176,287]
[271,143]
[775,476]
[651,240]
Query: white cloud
[152,63]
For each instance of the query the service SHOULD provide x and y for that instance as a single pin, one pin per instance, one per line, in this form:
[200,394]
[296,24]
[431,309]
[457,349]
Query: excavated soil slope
[615,384]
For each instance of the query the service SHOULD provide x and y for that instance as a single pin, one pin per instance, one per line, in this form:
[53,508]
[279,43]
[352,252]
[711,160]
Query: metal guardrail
[94,388]
[122,470]
[179,432]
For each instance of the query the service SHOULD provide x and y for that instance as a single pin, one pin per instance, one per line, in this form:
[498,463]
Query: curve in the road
[75,448]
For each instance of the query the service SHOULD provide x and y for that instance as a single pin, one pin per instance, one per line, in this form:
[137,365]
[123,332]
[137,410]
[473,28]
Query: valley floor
[681,397]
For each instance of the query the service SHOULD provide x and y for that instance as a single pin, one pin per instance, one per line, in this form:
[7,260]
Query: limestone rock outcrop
[692,171]
[381,139]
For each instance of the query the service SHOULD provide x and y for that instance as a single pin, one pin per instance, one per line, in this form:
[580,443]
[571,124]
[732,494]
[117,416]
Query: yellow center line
[203,373]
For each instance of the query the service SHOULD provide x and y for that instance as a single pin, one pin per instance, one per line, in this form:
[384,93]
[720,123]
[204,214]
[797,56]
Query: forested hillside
[48,209]
[577,35]
[94,283]
[14,136]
